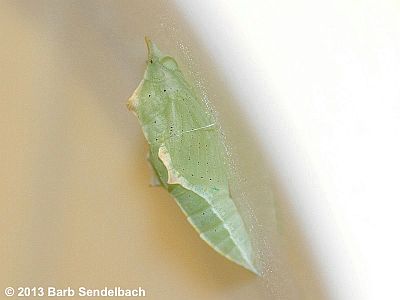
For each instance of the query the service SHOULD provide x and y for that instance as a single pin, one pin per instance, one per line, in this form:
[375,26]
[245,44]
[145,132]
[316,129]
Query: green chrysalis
[188,157]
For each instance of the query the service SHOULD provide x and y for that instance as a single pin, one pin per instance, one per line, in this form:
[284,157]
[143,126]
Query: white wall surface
[320,81]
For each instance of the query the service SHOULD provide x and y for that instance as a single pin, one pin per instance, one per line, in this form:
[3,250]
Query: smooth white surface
[321,83]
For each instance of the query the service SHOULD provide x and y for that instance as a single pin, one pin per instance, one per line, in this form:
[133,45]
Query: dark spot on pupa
[201,177]
[192,175]
[149,96]
[210,179]
[165,90]
[203,213]
[151,61]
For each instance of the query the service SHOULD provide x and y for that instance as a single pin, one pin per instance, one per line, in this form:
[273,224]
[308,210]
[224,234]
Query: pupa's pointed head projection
[161,76]
[157,61]
[161,87]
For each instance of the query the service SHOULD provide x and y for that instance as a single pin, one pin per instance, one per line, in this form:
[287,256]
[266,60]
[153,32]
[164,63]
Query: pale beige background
[76,207]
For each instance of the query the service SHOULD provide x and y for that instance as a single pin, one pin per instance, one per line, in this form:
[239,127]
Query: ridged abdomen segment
[218,223]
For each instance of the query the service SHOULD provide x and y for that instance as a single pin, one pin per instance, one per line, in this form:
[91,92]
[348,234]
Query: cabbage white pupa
[188,157]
